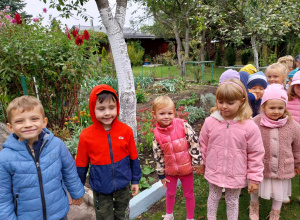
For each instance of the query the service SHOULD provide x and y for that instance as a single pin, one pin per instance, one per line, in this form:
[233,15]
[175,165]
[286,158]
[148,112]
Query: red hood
[93,98]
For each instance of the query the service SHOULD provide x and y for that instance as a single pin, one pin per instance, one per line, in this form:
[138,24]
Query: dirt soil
[147,155]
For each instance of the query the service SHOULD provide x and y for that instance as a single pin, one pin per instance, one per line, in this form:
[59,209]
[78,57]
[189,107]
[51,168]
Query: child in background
[35,167]
[276,73]
[281,138]
[289,62]
[250,69]
[109,146]
[177,153]
[293,105]
[297,61]
[257,83]
[232,149]
[291,75]
[233,74]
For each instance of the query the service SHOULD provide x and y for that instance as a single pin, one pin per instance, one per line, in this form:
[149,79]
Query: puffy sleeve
[194,148]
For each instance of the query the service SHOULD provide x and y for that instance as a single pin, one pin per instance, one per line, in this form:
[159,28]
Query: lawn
[288,212]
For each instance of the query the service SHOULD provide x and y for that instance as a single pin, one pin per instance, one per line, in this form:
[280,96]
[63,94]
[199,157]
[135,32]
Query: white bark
[255,53]
[114,28]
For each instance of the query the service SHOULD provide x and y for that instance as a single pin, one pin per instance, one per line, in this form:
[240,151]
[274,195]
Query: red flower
[74,32]
[86,35]
[79,40]
[69,36]
[18,19]
[144,120]
[144,133]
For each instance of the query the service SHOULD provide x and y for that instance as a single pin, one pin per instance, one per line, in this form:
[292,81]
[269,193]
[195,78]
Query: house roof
[129,33]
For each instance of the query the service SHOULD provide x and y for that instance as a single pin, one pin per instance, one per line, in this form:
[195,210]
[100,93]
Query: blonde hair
[288,61]
[279,68]
[162,102]
[286,112]
[234,91]
[23,103]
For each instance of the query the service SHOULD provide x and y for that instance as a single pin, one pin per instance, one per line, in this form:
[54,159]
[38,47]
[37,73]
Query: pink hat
[296,78]
[274,91]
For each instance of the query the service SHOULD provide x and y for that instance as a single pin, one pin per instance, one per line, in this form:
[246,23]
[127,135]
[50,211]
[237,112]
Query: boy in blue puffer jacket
[35,167]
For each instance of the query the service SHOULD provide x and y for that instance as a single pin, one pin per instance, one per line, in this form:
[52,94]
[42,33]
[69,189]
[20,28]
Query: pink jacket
[172,140]
[294,108]
[232,151]
[282,149]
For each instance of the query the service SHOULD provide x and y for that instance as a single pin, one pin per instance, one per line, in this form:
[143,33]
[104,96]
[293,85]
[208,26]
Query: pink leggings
[231,198]
[188,192]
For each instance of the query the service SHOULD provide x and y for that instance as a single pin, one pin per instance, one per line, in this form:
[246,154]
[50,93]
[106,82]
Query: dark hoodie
[112,154]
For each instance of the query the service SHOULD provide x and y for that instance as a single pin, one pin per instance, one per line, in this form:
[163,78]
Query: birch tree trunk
[255,53]
[114,26]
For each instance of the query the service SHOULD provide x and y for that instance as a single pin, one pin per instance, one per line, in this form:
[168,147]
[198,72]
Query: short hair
[231,90]
[288,61]
[24,103]
[162,102]
[280,68]
[104,95]
[291,93]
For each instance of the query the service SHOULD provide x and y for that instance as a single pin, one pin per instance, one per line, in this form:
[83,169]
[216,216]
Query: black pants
[113,206]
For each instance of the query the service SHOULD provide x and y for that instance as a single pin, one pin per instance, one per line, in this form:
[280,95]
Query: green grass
[288,212]
[174,72]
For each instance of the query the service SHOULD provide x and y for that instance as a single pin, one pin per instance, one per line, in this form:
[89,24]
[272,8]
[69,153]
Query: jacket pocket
[212,159]
[63,187]
[239,166]
[289,165]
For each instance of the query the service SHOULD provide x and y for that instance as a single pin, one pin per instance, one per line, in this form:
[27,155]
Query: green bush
[245,57]
[169,85]
[218,60]
[195,113]
[296,49]
[135,52]
[230,56]
[103,53]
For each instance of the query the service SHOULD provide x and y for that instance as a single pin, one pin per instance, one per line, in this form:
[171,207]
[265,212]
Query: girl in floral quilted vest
[293,105]
[177,153]
[281,138]
[232,149]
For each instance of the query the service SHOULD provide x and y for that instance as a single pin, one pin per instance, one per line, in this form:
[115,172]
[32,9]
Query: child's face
[27,125]
[164,116]
[106,112]
[274,109]
[229,109]
[258,90]
[297,89]
[274,77]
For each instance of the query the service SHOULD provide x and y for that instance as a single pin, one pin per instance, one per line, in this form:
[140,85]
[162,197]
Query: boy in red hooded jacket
[109,146]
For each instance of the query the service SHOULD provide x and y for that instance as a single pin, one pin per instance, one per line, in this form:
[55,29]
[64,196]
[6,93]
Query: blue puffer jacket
[36,191]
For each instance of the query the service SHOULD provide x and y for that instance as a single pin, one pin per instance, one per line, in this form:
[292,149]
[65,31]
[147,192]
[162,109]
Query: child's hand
[297,170]
[252,187]
[254,93]
[200,170]
[134,189]
[164,182]
[75,201]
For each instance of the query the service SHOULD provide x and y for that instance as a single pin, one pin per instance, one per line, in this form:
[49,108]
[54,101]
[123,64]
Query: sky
[35,8]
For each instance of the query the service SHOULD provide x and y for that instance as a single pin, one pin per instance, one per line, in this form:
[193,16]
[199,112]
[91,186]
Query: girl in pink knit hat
[281,138]
[294,97]
[232,149]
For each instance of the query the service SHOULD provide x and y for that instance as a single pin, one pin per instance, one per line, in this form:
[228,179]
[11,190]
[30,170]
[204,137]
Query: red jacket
[112,154]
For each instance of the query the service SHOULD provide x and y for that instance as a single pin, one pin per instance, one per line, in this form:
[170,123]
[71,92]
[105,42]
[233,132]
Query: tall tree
[14,6]
[114,24]
[262,21]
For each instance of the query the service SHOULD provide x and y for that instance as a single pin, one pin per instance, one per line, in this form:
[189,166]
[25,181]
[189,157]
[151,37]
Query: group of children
[251,138]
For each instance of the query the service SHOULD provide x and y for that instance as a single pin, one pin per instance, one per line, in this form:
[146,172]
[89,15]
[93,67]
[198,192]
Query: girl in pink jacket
[232,149]
[177,153]
[281,138]
[293,105]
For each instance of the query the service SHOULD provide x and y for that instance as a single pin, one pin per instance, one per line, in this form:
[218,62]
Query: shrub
[208,100]
[218,60]
[245,57]
[135,53]
[195,113]
[230,56]
[169,85]
[103,53]
[143,81]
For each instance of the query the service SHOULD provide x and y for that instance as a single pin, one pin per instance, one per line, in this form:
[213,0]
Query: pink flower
[1,24]
[67,29]
[4,10]
[45,10]
[7,7]
[77,29]
[13,21]
[7,16]
[35,19]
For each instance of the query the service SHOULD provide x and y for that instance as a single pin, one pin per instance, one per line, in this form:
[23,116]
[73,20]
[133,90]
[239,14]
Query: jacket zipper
[112,161]
[40,178]
[225,155]
[16,206]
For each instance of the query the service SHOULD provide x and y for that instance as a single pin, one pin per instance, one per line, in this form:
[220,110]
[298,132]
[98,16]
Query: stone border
[138,204]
